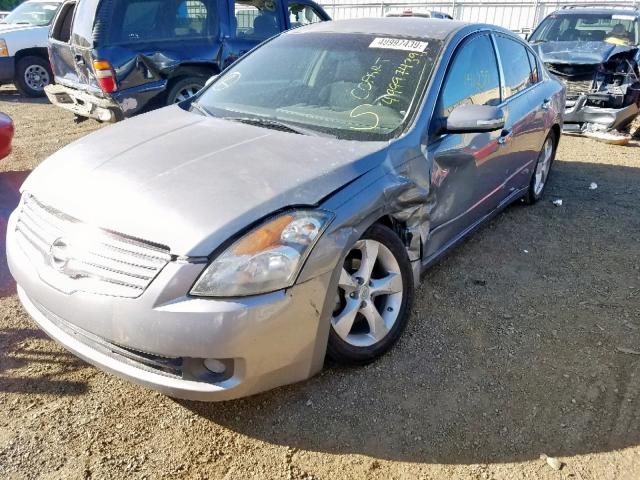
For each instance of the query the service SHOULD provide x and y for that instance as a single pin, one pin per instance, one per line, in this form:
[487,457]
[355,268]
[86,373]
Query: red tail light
[105,75]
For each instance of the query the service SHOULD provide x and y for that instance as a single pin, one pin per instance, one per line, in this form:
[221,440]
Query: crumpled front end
[600,97]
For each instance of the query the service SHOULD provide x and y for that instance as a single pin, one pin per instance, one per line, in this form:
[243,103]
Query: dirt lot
[513,350]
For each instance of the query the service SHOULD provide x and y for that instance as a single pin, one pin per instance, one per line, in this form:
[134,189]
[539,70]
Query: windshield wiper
[201,109]
[271,123]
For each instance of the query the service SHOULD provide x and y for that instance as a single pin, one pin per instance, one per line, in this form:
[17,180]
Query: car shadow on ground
[512,349]
[8,93]
[30,348]
[10,183]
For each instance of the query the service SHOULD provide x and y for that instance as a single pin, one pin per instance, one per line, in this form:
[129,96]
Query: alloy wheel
[36,77]
[187,92]
[369,296]
[542,169]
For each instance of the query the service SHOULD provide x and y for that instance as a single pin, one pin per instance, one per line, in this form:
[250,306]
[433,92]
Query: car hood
[579,53]
[5,28]
[190,182]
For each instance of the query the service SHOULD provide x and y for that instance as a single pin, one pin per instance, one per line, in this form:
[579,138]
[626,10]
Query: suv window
[256,19]
[472,77]
[301,14]
[515,66]
[151,20]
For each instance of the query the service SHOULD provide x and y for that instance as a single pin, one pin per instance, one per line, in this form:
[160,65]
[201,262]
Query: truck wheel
[32,75]
[184,88]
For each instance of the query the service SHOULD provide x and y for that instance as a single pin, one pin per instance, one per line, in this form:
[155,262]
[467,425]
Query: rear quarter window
[134,21]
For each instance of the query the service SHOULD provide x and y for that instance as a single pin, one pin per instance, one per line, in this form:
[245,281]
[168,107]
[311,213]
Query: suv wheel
[184,88]
[374,297]
[32,75]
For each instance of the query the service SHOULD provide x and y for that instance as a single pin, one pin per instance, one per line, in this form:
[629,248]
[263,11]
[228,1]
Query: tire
[180,89]
[353,340]
[541,172]
[32,75]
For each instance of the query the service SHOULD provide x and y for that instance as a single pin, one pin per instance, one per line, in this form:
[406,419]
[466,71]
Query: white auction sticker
[399,44]
[623,17]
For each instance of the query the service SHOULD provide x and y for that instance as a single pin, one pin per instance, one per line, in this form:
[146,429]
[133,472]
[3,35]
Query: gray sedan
[226,245]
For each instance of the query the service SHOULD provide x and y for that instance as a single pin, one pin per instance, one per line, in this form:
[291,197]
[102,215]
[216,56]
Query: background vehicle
[424,14]
[595,52]
[115,58]
[285,211]
[6,135]
[23,46]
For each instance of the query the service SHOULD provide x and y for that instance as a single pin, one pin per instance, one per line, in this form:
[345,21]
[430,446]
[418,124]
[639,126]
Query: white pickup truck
[23,46]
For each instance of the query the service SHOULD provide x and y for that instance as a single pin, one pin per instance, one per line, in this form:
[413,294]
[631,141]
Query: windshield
[351,86]
[614,28]
[33,13]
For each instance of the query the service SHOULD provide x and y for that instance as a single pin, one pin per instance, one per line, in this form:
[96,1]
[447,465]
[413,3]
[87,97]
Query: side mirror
[210,80]
[474,118]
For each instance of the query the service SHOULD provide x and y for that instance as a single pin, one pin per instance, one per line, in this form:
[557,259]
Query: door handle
[505,136]
[546,104]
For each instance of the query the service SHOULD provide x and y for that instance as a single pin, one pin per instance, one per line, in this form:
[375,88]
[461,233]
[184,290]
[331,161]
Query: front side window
[352,86]
[515,66]
[616,28]
[472,77]
[256,19]
[301,14]
[32,13]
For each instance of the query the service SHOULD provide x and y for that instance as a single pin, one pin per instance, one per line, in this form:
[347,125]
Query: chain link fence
[518,15]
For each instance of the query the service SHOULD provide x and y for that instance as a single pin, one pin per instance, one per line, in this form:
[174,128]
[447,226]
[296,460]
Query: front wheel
[32,75]
[374,297]
[540,175]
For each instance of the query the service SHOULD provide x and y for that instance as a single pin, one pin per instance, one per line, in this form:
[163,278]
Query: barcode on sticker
[399,44]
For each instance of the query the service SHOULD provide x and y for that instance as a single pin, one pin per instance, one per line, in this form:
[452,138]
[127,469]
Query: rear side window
[515,66]
[472,77]
[151,20]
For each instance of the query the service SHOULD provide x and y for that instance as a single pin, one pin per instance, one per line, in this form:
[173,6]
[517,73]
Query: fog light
[213,365]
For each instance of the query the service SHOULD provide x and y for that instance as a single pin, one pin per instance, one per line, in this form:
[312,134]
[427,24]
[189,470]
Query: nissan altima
[228,244]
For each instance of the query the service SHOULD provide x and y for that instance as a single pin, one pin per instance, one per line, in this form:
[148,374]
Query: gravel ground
[513,351]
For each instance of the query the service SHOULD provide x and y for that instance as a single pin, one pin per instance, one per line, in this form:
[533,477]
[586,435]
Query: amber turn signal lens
[263,238]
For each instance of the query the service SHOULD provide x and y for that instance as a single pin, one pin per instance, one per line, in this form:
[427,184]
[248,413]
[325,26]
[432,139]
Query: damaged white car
[595,52]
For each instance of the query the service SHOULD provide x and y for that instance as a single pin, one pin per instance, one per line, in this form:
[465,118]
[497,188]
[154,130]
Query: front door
[468,169]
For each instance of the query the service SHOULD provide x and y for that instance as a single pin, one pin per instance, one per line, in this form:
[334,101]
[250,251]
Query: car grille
[577,87]
[72,256]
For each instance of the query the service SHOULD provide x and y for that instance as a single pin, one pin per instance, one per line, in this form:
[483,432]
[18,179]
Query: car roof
[416,27]
[598,11]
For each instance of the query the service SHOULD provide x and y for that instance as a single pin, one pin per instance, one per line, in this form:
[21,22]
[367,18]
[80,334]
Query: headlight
[266,259]
[4,51]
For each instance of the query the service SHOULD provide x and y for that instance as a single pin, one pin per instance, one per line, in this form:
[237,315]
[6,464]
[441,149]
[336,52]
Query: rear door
[60,52]
[524,106]
[71,43]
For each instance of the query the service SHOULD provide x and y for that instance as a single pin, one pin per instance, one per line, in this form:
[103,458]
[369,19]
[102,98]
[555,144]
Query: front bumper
[7,69]
[161,339]
[578,114]
[83,104]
